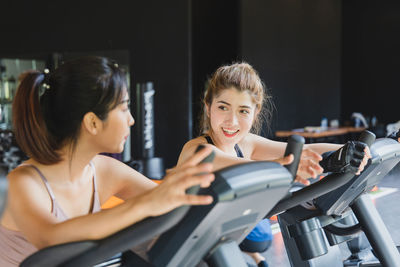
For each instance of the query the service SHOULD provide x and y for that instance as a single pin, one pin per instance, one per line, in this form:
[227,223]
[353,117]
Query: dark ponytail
[28,124]
[44,124]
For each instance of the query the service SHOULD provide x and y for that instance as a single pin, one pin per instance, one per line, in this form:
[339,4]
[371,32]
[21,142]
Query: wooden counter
[315,132]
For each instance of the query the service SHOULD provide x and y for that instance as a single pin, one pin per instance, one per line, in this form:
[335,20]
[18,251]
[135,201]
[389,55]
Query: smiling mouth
[229,133]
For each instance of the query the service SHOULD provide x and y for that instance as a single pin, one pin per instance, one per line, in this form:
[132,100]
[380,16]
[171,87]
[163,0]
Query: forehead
[234,96]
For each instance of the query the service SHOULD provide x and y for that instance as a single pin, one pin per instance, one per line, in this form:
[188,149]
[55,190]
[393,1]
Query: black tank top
[237,148]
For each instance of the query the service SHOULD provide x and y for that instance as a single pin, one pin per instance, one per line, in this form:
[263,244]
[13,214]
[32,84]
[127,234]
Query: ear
[207,107]
[91,123]
[256,112]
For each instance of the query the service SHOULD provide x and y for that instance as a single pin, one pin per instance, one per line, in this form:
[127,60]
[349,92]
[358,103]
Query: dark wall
[371,59]
[296,48]
[215,40]
[295,45]
[156,34]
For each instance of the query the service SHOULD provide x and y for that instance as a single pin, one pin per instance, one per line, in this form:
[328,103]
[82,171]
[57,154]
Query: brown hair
[48,108]
[243,78]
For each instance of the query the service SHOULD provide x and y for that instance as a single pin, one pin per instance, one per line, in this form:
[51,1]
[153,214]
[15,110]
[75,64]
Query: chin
[117,150]
[231,140]
[120,149]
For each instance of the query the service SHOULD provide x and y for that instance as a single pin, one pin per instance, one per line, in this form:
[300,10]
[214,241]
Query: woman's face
[231,116]
[116,128]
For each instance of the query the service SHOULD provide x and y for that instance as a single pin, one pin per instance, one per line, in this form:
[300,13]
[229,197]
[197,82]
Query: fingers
[311,154]
[285,160]
[356,163]
[181,171]
[361,159]
[197,199]
[302,180]
[367,152]
[204,180]
[363,163]
[308,171]
[170,170]
[359,154]
[190,176]
[311,164]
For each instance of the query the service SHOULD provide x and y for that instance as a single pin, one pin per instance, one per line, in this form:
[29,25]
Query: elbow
[42,243]
[46,238]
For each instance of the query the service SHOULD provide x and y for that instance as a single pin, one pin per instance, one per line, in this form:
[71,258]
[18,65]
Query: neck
[74,163]
[227,148]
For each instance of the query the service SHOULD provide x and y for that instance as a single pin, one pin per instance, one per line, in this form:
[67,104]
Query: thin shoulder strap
[56,209]
[239,152]
[46,183]
[96,199]
[94,176]
[209,140]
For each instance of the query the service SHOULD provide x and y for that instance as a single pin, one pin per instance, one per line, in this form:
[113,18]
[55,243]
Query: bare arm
[321,148]
[29,205]
[221,159]
[265,149]
[125,183]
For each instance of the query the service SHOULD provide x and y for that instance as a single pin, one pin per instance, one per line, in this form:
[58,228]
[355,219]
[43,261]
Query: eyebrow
[226,103]
[125,101]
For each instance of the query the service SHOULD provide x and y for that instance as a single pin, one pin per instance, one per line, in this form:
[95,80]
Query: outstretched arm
[309,166]
[266,149]
[221,159]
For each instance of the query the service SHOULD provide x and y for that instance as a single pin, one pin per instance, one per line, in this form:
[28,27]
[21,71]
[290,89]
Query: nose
[131,120]
[232,118]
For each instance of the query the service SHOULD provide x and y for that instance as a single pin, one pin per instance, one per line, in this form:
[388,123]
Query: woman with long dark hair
[63,120]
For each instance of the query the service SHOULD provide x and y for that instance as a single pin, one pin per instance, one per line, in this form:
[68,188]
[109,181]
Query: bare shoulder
[190,147]
[26,189]
[103,162]
[195,142]
[249,139]
[109,167]
[117,178]
[261,148]
[255,139]
[249,142]
[24,175]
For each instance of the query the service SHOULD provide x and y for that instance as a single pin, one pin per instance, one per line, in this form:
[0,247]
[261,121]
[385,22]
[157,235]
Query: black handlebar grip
[210,158]
[367,137]
[294,146]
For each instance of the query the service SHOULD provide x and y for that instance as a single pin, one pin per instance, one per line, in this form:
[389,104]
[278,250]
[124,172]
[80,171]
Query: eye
[224,108]
[244,111]
[126,106]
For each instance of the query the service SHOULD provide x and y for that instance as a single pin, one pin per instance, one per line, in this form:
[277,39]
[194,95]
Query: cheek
[216,117]
[214,122]
[247,122]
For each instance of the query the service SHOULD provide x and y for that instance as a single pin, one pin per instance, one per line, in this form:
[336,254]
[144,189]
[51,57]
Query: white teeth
[229,132]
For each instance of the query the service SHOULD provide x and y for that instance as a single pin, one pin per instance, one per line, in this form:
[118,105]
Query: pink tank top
[14,247]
